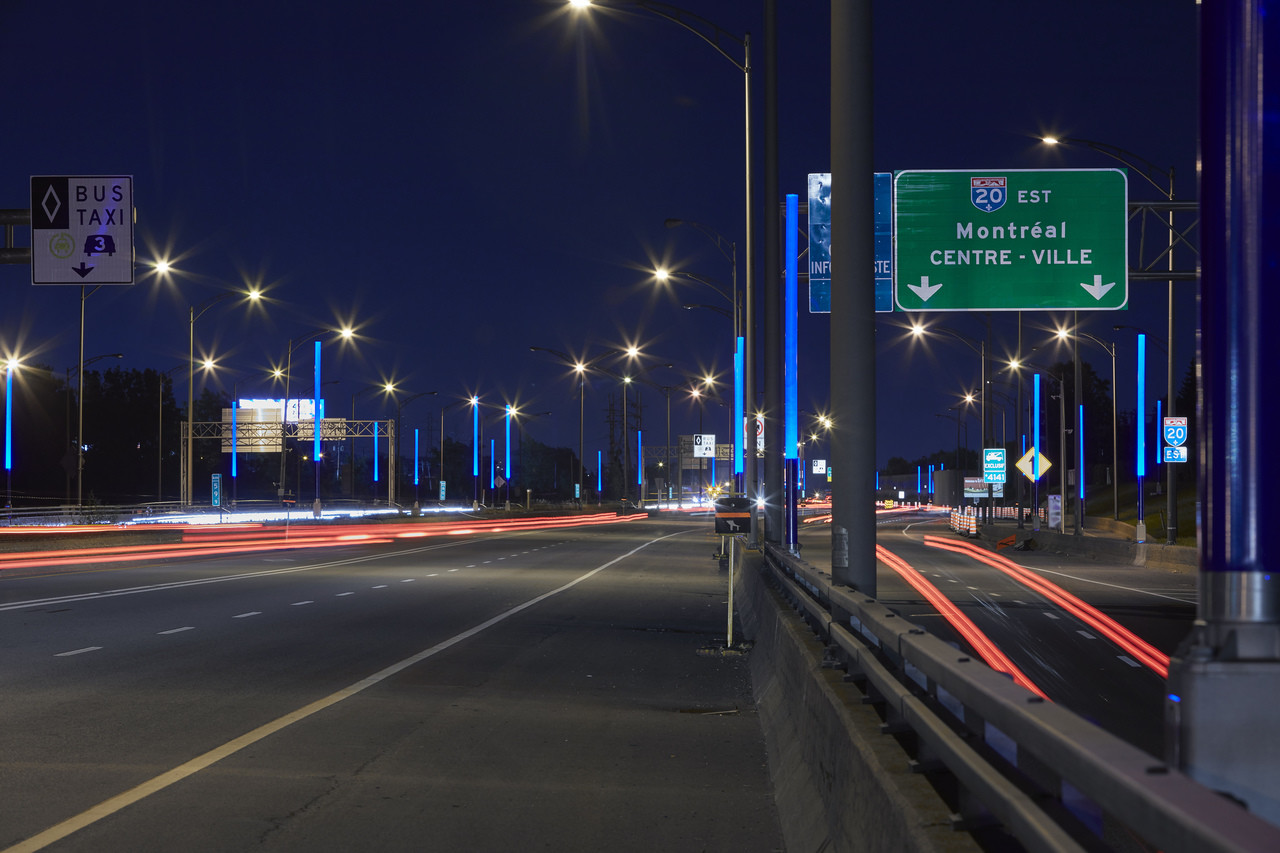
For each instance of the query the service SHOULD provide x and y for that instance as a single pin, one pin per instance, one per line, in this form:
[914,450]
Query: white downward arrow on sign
[1097,290]
[924,290]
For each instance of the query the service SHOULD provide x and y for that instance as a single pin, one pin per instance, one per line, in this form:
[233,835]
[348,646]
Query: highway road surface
[555,690]
[1072,660]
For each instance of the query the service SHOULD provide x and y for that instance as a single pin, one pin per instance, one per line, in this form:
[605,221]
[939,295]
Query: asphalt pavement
[1068,658]
[561,690]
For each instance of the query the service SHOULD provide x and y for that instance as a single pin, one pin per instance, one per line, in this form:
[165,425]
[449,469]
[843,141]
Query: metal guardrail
[1054,781]
[62,515]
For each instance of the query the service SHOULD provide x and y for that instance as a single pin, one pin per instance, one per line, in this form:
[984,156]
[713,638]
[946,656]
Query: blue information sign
[820,242]
[216,499]
[993,465]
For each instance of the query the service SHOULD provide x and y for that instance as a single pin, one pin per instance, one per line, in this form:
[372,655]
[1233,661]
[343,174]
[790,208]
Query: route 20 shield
[988,194]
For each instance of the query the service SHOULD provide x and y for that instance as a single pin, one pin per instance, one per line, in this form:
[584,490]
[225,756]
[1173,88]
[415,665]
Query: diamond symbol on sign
[51,195]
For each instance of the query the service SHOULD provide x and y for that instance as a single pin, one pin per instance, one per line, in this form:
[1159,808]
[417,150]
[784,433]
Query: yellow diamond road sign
[1024,464]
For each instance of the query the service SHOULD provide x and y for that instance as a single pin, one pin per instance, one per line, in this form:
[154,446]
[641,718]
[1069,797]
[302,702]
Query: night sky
[461,181]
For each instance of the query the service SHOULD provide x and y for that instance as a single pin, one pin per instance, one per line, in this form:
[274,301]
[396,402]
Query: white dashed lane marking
[252,613]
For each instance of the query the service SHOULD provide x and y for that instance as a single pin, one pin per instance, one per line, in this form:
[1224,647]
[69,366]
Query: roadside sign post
[82,229]
[733,519]
[1011,240]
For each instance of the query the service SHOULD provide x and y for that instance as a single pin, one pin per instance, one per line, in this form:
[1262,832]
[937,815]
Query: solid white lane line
[201,762]
[177,630]
[77,651]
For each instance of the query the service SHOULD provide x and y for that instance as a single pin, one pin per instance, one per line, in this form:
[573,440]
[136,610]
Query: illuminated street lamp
[580,367]
[1149,172]
[194,313]
[714,35]
[344,334]
[918,330]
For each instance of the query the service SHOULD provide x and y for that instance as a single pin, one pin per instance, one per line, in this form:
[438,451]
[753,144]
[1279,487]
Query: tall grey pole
[853,354]
[1223,680]
[1075,419]
[772,475]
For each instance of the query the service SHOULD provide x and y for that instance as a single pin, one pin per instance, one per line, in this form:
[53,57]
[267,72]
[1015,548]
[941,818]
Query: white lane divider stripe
[177,630]
[77,651]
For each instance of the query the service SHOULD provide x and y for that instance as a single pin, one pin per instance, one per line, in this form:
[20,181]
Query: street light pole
[1146,169]
[713,35]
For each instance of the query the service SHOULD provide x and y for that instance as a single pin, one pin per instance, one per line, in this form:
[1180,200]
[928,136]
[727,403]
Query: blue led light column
[1035,455]
[235,444]
[790,385]
[8,435]
[415,469]
[1224,678]
[316,417]
[475,453]
[1141,429]
[493,448]
[506,468]
[1080,454]
[599,477]
[739,420]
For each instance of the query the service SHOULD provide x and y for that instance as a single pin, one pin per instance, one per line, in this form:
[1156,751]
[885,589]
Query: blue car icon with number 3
[100,244]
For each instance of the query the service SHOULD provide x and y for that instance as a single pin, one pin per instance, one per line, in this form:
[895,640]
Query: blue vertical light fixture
[8,417]
[599,473]
[739,420]
[1035,455]
[791,437]
[492,454]
[415,462]
[475,449]
[234,443]
[790,385]
[1142,432]
[375,451]
[1155,457]
[640,462]
[506,468]
[315,405]
[1080,454]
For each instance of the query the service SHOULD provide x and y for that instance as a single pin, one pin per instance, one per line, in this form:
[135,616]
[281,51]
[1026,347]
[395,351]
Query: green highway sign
[1011,240]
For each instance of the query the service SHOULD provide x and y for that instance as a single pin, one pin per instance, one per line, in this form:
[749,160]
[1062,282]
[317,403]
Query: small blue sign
[442,489]
[993,465]
[1175,431]
[1175,454]
[216,499]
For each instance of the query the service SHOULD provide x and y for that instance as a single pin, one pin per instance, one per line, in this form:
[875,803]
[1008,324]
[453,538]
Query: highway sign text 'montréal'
[1011,240]
[81,229]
